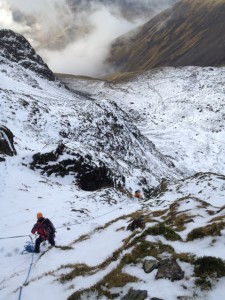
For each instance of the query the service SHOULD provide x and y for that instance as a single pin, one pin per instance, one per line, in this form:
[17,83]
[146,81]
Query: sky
[75,38]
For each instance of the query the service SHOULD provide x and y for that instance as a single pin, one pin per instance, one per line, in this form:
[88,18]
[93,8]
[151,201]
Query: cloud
[74,36]
[86,55]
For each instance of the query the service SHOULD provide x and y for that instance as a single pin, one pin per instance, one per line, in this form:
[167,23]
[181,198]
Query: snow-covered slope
[181,110]
[58,131]
[48,114]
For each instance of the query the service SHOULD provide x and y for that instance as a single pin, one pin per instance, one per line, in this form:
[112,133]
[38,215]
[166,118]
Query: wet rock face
[88,175]
[169,269]
[6,143]
[17,49]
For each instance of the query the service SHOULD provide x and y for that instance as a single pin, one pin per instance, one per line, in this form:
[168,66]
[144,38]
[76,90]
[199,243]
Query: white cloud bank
[72,38]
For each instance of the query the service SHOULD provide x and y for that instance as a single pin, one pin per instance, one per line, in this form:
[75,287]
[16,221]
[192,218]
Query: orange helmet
[39,215]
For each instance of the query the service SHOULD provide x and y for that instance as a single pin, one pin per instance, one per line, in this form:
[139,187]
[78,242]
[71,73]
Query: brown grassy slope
[192,32]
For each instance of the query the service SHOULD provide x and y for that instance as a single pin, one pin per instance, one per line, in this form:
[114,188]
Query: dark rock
[189,221]
[150,265]
[16,48]
[136,223]
[89,176]
[44,158]
[154,298]
[97,178]
[136,295]
[6,142]
[169,269]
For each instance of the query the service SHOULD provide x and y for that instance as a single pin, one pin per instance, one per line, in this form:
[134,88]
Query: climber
[46,231]
[137,194]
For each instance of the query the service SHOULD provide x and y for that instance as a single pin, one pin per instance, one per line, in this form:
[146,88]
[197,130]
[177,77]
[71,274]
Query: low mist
[73,36]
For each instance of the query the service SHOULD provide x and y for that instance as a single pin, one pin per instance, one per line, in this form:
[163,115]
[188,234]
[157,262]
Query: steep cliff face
[189,33]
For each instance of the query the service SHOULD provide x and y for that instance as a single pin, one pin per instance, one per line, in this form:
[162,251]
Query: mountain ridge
[189,33]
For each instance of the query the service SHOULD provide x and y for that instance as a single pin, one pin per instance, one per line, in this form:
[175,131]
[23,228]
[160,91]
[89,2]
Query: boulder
[150,265]
[135,295]
[136,223]
[88,175]
[169,269]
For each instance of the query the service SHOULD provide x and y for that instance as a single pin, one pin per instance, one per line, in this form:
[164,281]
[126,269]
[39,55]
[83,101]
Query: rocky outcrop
[17,49]
[135,295]
[150,264]
[136,223]
[169,269]
[6,143]
[88,175]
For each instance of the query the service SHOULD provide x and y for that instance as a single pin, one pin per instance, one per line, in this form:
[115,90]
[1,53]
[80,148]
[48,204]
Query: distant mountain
[189,33]
[75,19]
[127,8]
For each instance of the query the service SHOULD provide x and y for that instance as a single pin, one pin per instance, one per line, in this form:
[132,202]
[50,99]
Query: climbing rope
[13,237]
[32,257]
[30,245]
[28,274]
[74,224]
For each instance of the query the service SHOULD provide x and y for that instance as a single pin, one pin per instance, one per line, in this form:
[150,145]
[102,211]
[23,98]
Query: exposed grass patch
[81,239]
[116,278]
[202,204]
[209,230]
[84,270]
[216,219]
[78,270]
[143,248]
[178,221]
[64,247]
[185,257]
[207,269]
[167,232]
[159,213]
[87,236]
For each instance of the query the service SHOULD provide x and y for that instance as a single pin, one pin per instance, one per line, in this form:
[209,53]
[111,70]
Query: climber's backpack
[48,227]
